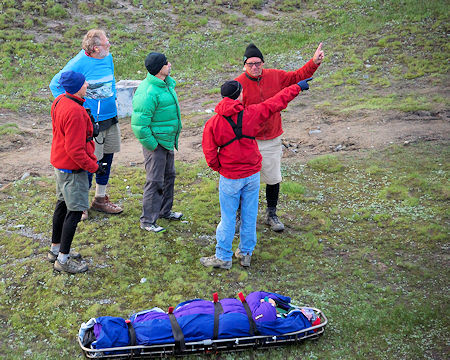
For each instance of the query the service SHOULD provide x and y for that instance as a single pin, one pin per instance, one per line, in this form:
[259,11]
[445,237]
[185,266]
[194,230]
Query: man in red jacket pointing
[72,155]
[230,149]
[258,85]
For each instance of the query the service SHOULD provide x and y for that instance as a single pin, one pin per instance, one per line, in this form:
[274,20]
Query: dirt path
[307,133]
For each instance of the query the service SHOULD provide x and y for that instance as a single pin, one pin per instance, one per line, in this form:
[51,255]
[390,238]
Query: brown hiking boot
[52,256]
[104,205]
[273,221]
[215,262]
[245,259]
[70,266]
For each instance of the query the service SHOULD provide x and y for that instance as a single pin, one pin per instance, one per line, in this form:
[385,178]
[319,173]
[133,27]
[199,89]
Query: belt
[71,171]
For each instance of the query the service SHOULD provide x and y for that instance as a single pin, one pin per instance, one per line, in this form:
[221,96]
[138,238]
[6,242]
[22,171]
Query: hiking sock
[100,190]
[55,248]
[62,258]
[272,192]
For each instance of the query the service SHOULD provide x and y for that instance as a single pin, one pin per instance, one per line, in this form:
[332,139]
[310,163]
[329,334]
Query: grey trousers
[160,180]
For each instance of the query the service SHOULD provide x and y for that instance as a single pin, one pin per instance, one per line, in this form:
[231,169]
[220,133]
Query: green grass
[353,247]
[9,128]
[366,238]
[369,45]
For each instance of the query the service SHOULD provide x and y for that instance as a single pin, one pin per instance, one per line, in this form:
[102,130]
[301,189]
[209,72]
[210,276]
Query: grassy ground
[366,242]
[367,236]
[378,53]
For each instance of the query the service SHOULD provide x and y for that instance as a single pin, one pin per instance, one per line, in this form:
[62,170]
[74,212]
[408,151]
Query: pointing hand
[318,55]
[304,84]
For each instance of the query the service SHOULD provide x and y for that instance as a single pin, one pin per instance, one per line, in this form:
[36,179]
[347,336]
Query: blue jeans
[231,192]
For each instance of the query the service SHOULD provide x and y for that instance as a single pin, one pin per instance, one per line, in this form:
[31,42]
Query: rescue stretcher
[214,344]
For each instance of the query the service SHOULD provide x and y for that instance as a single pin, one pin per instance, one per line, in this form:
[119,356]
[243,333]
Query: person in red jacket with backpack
[258,85]
[72,155]
[230,148]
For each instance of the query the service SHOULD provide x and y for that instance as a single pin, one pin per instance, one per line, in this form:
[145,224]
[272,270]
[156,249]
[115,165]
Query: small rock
[406,143]
[132,163]
[143,280]
[25,175]
[317,131]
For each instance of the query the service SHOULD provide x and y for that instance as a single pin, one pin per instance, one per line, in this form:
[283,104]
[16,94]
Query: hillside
[365,191]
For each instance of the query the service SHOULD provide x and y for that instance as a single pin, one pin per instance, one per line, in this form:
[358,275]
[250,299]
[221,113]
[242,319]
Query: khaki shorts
[271,152]
[73,189]
[111,136]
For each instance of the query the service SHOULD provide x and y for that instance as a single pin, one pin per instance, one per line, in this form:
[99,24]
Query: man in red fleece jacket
[231,149]
[72,155]
[258,85]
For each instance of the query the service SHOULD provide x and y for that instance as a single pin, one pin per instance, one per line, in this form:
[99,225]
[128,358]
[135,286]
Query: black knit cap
[252,51]
[231,89]
[154,62]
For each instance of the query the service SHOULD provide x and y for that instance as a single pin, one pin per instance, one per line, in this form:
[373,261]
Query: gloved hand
[304,84]
[101,169]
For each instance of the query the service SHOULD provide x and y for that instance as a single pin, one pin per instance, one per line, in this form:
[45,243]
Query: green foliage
[9,129]
[292,188]
[326,163]
[368,47]
[346,250]
[56,11]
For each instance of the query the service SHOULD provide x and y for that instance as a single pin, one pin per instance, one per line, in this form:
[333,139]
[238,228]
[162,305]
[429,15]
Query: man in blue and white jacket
[95,62]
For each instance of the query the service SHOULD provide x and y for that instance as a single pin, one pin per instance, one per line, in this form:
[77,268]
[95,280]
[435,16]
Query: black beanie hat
[252,51]
[231,89]
[154,62]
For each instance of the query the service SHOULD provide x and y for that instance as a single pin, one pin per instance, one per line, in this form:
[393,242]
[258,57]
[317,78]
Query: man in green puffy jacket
[156,123]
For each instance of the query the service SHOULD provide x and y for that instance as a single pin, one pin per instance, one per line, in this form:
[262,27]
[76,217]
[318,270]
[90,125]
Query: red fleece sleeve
[210,147]
[258,113]
[75,140]
[306,71]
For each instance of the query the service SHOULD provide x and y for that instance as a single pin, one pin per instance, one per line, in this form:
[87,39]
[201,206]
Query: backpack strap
[237,128]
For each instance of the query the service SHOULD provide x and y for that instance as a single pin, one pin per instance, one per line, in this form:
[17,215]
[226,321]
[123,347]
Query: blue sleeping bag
[196,321]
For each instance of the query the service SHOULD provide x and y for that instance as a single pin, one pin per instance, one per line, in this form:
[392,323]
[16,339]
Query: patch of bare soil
[308,132]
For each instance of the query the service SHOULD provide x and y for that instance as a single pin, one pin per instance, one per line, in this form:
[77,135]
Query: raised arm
[258,113]
[306,71]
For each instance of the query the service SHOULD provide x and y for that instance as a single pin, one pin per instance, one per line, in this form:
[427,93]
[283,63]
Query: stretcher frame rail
[208,346]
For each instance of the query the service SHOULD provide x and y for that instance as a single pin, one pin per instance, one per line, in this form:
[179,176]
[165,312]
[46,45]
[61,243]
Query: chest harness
[237,128]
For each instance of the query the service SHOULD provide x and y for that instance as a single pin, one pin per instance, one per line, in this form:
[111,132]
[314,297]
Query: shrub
[326,163]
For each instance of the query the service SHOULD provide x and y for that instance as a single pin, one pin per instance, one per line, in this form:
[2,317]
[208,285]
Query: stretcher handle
[242,297]
[215,297]
[170,311]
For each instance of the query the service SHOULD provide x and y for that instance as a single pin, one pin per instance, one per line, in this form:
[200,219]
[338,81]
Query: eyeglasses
[256,64]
